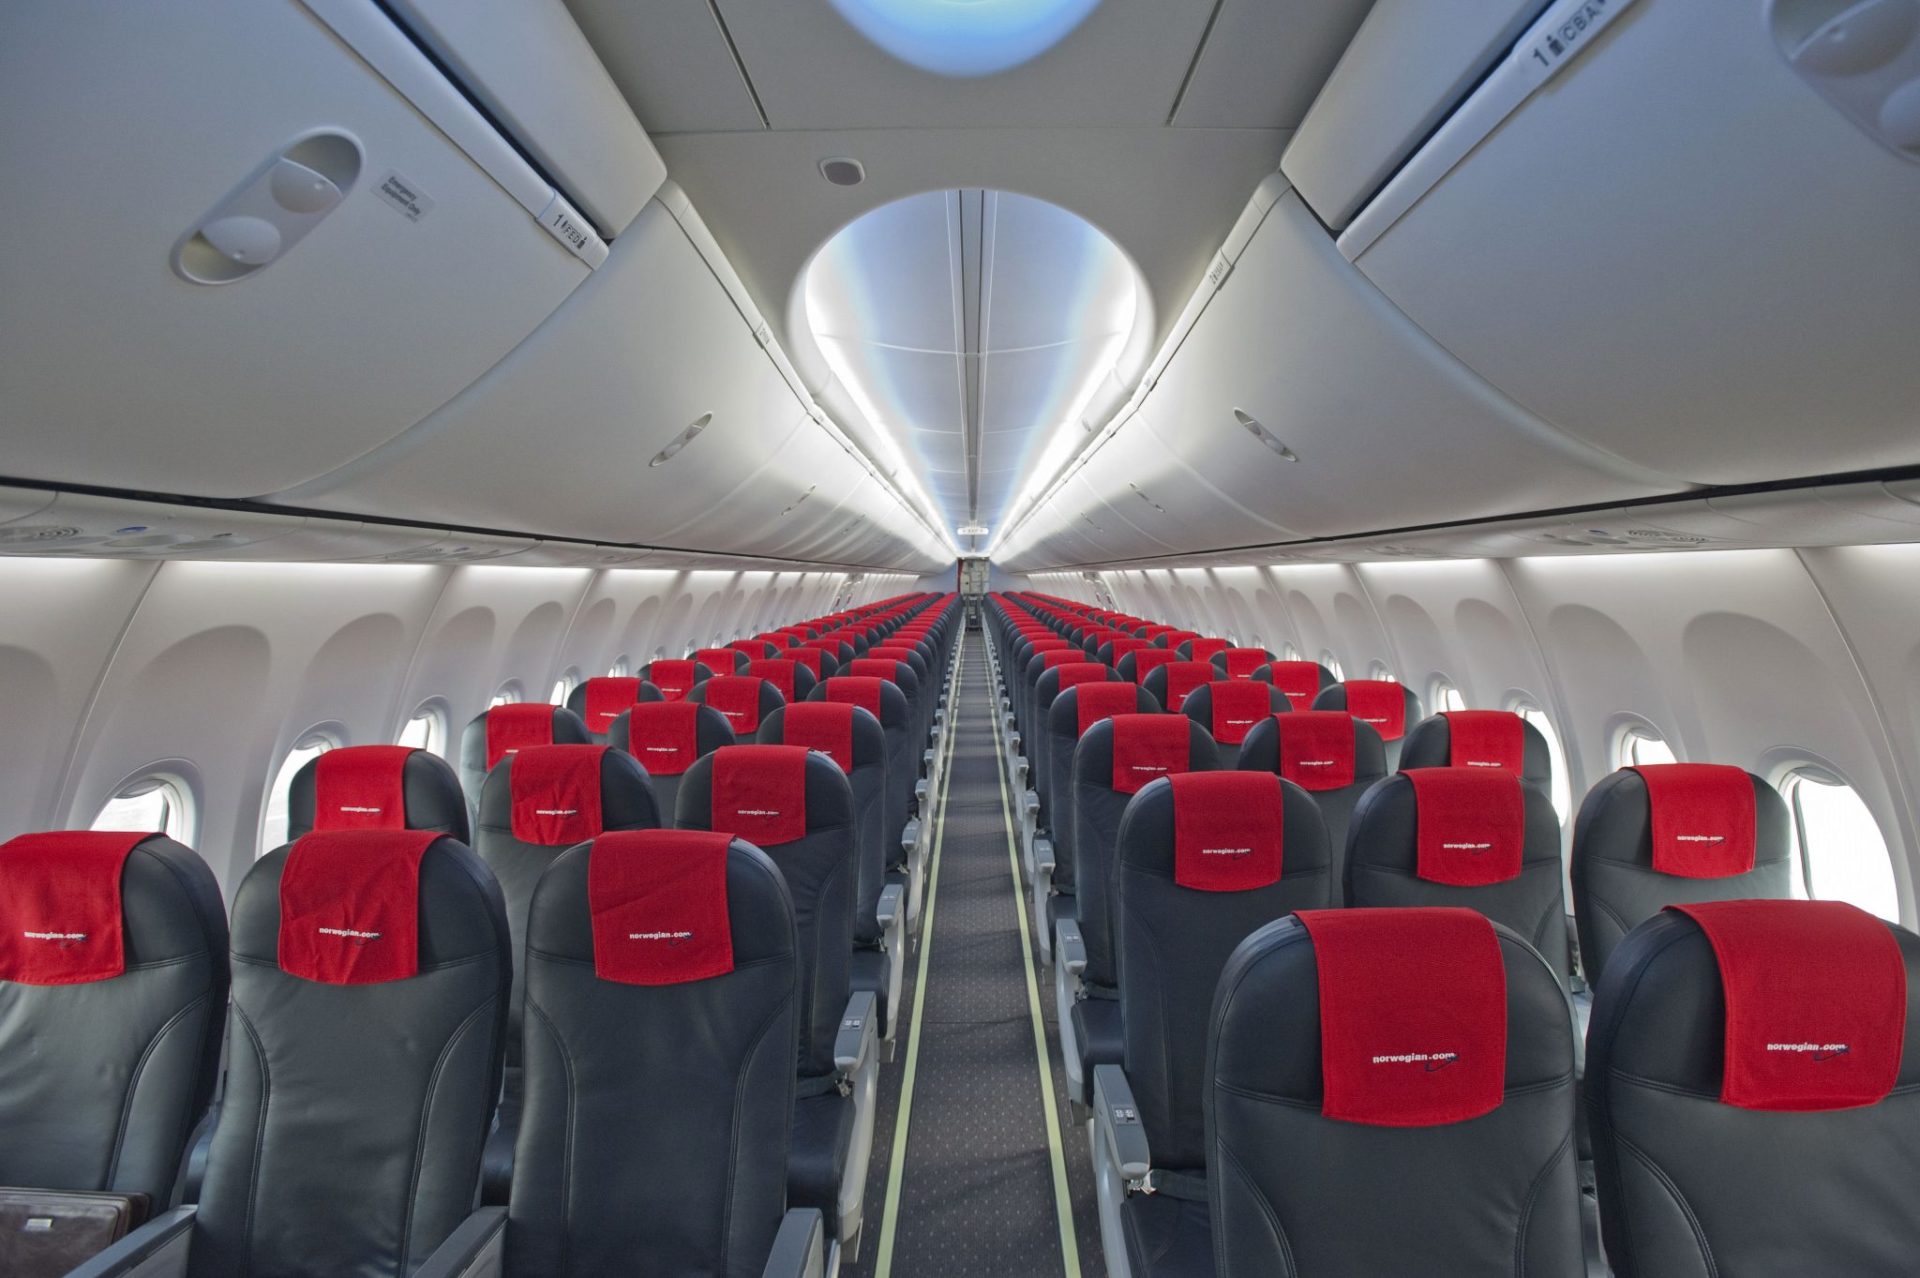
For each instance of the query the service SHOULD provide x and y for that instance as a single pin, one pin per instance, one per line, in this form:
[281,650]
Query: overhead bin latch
[564,223]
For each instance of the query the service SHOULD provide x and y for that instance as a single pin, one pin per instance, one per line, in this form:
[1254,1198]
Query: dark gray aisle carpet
[977,1188]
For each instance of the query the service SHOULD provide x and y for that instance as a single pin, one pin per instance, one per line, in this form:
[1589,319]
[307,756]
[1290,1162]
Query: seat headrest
[887,668]
[760,793]
[778,671]
[1486,739]
[515,726]
[1146,661]
[555,794]
[604,698]
[1381,704]
[658,904]
[376,788]
[812,658]
[1072,674]
[1234,706]
[1300,680]
[1319,748]
[720,661]
[1240,663]
[1202,649]
[1096,701]
[1413,1015]
[664,736]
[1703,819]
[1228,830]
[1068,655]
[1471,827]
[61,918]
[1147,747]
[1172,639]
[832,728]
[1815,994]
[864,691]
[675,679]
[738,697]
[350,905]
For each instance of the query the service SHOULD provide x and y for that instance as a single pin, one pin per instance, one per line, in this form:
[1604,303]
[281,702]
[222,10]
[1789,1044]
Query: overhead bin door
[1679,251]
[127,124]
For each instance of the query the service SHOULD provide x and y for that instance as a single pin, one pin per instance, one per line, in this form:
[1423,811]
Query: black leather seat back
[1052,751]
[1296,1192]
[815,724]
[602,699]
[1616,888]
[1241,663]
[396,789]
[1335,767]
[794,679]
[674,677]
[1232,712]
[656,1116]
[1690,1186]
[1379,717]
[1063,719]
[719,661]
[482,746]
[1302,681]
[350,1131]
[1172,943]
[887,703]
[746,701]
[102,1080]
[1383,858]
[1429,744]
[822,873]
[1098,806]
[626,803]
[666,742]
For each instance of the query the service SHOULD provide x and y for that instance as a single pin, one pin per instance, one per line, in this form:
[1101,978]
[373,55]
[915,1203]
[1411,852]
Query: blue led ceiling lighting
[964,38]
[973,330]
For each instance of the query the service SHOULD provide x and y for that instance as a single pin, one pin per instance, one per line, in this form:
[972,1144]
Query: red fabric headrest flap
[1075,673]
[1147,747]
[1238,704]
[777,671]
[1177,637]
[1299,680]
[350,906]
[1124,644]
[1317,749]
[808,657]
[1097,701]
[675,679]
[1054,657]
[1242,662]
[1471,825]
[718,661]
[60,919]
[1147,660]
[515,726]
[659,904]
[862,690]
[556,794]
[760,793]
[607,699]
[752,647]
[1486,739]
[1816,995]
[1183,677]
[664,736]
[738,698]
[875,668]
[826,726]
[1381,704]
[1228,831]
[1203,649]
[361,788]
[1413,1015]
[1702,817]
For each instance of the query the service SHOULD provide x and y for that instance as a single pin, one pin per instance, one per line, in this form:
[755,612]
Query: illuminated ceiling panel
[972,328]
[965,37]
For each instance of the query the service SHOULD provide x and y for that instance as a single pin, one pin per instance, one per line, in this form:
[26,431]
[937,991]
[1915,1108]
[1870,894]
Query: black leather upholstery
[1334,697]
[771,699]
[1199,707]
[868,780]
[1616,888]
[1294,1193]
[710,733]
[1052,752]
[1063,738]
[101,1083]
[1383,850]
[349,1135]
[1429,744]
[1172,943]
[647,691]
[902,761]
[568,729]
[1260,752]
[657,1116]
[433,798]
[1692,1188]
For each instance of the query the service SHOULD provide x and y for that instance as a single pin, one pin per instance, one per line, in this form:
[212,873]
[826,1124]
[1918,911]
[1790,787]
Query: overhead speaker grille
[842,171]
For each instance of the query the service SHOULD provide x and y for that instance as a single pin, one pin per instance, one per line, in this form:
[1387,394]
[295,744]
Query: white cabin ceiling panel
[122,374]
[671,60]
[1264,62]
[1679,251]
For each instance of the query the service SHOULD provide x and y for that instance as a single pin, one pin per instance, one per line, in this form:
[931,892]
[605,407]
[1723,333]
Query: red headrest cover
[1147,747]
[350,906]
[658,900]
[1238,704]
[1147,660]
[664,736]
[606,699]
[1242,662]
[760,793]
[861,690]
[1183,677]
[361,788]
[875,668]
[1317,749]
[556,794]
[778,671]
[1299,680]
[808,657]
[1413,1015]
[1203,649]
[826,726]
[1702,817]
[1228,831]
[1096,701]
[1379,703]
[1471,825]
[515,726]
[738,698]
[60,919]
[675,679]
[1486,739]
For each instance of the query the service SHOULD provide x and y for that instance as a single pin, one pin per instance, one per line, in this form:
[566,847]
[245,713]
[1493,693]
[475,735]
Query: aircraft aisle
[981,1189]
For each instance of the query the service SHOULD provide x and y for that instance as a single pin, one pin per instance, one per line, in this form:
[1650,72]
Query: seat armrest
[1069,947]
[1043,860]
[799,1249]
[891,898]
[854,1043]
[158,1249]
[1117,1122]
[477,1249]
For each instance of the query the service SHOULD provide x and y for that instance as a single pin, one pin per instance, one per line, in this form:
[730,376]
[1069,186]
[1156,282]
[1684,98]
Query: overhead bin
[1679,251]
[1409,65]
[128,125]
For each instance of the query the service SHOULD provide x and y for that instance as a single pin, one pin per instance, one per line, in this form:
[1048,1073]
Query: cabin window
[426,730]
[1642,745]
[1842,853]
[1332,663]
[156,802]
[1443,696]
[1562,792]
[273,824]
[508,694]
[563,686]
[1378,670]
[620,669]
[1289,653]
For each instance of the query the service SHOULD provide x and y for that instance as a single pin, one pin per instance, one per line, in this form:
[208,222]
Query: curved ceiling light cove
[965,37]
